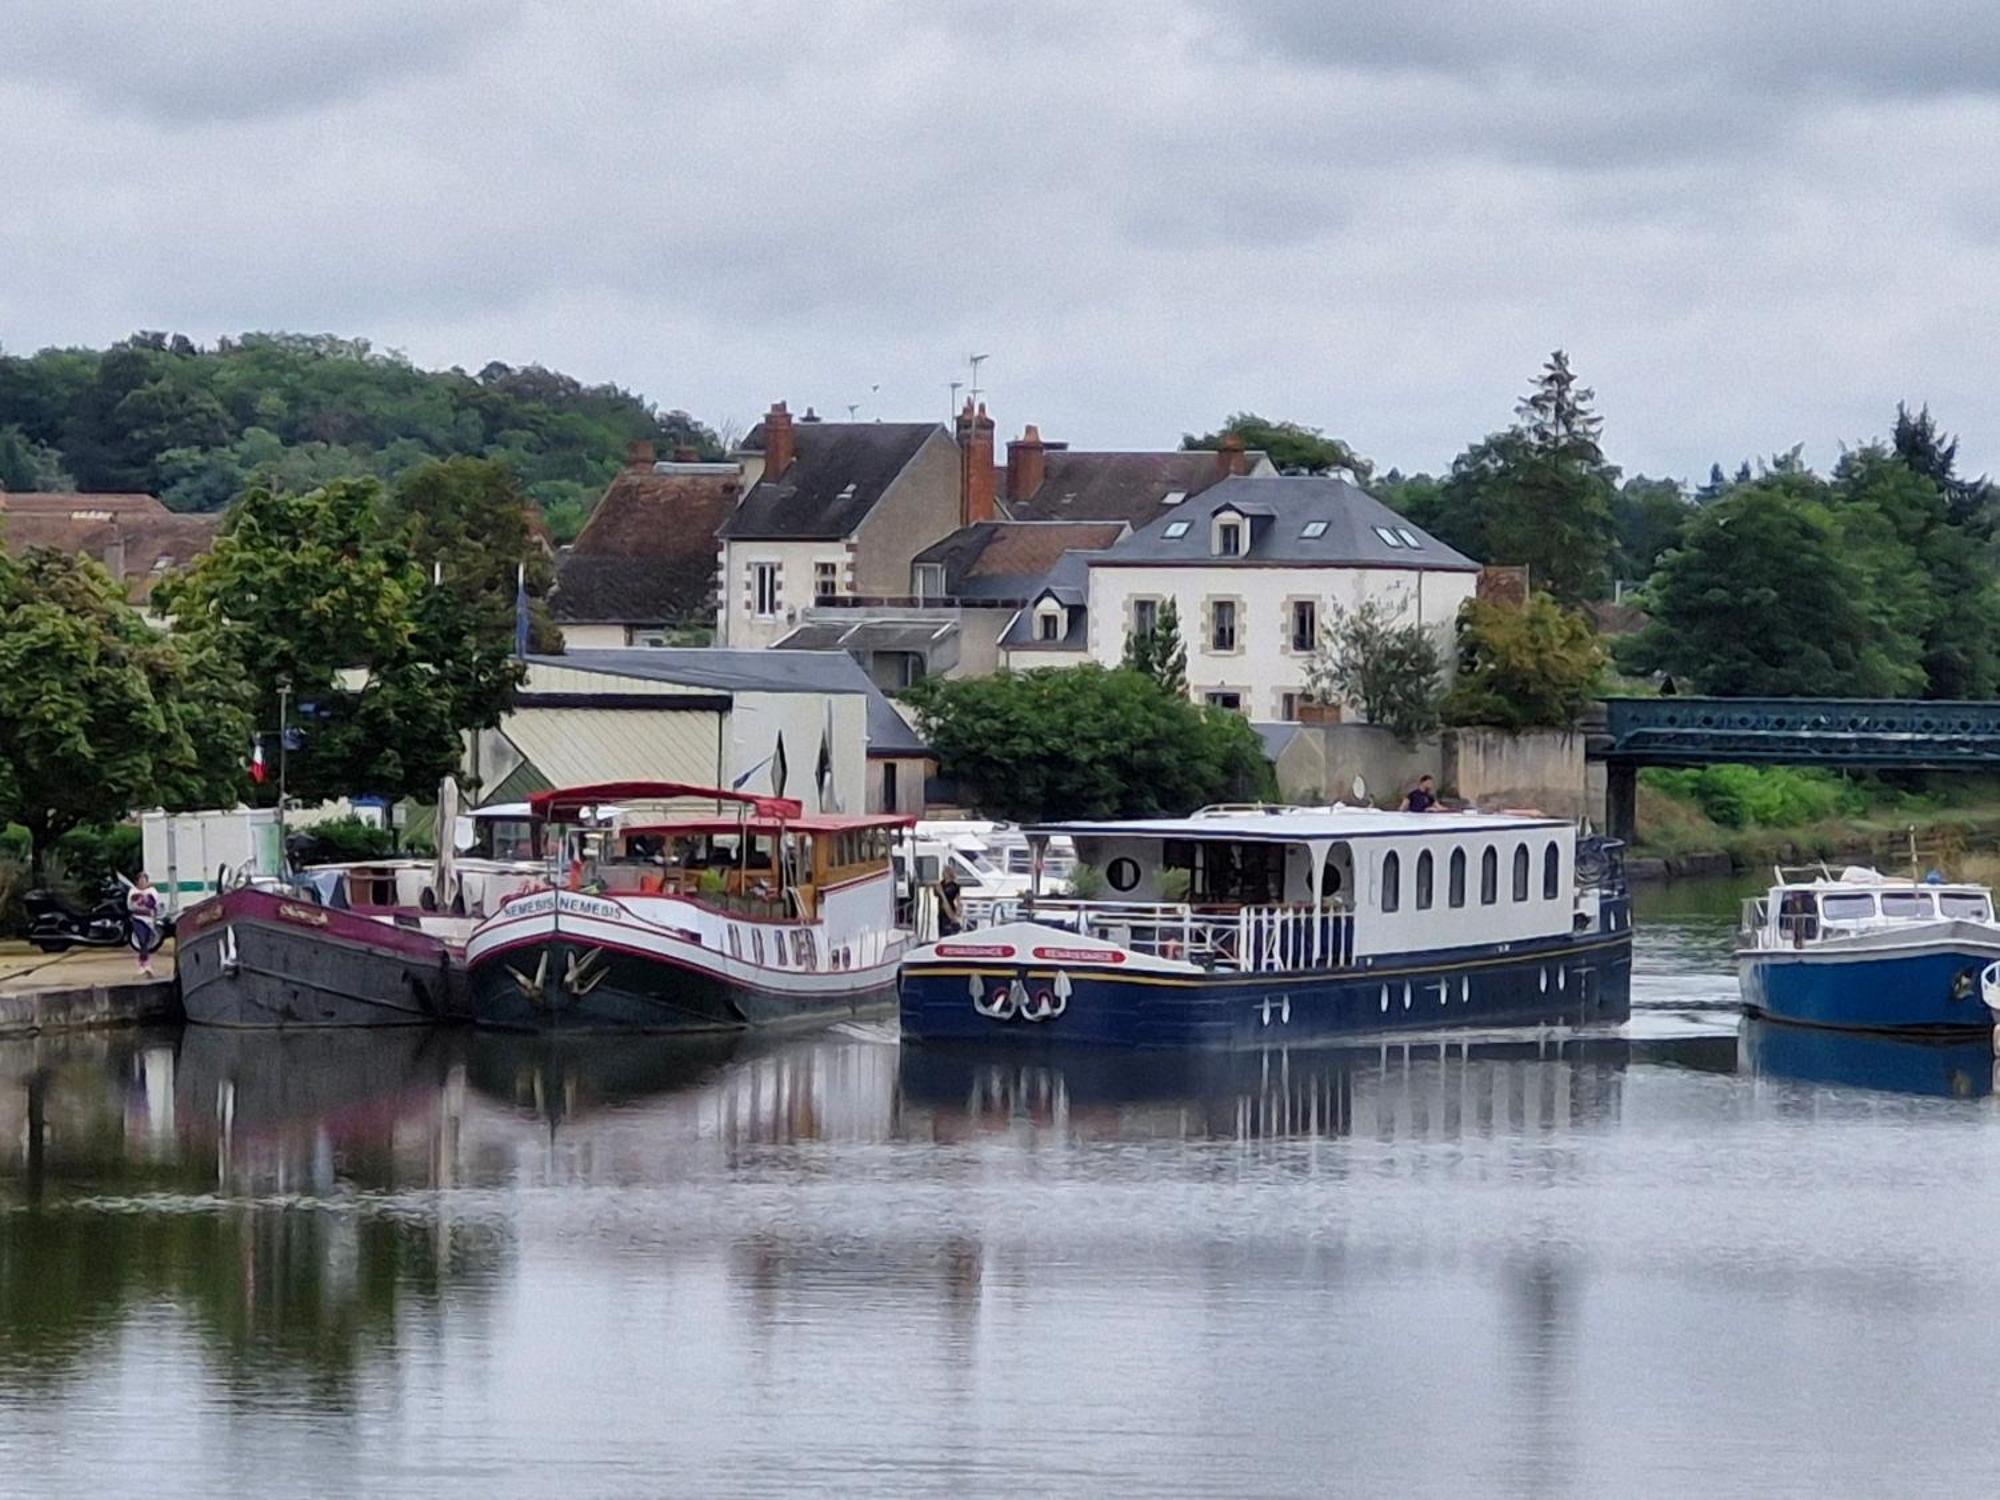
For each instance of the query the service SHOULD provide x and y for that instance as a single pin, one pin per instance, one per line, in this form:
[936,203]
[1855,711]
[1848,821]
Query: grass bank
[1751,817]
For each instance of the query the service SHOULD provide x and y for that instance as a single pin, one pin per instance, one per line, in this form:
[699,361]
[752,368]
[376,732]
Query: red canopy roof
[559,802]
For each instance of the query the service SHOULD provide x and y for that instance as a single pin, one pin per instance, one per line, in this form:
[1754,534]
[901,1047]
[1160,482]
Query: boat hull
[256,959]
[578,973]
[1914,984]
[1576,980]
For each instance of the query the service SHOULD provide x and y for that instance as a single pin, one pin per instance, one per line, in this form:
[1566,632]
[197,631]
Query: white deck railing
[1248,939]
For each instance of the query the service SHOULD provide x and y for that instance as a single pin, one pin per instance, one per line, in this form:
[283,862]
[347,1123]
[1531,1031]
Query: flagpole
[284,722]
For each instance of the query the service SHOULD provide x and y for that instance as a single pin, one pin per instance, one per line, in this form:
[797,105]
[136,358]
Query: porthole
[1562,979]
[1406,994]
[1122,873]
[1385,999]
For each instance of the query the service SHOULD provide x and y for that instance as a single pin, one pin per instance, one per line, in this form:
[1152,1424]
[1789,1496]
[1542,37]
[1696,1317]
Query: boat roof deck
[1296,825]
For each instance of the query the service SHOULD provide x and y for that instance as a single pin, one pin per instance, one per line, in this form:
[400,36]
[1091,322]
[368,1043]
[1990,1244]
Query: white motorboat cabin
[1288,888]
[1814,905]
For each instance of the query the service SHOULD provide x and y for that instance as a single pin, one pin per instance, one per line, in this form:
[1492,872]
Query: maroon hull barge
[261,958]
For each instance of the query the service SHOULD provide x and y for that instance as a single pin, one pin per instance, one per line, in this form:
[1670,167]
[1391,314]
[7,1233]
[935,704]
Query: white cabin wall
[1409,930]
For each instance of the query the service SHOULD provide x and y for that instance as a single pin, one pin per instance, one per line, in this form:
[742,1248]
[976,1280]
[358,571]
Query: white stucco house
[1255,567]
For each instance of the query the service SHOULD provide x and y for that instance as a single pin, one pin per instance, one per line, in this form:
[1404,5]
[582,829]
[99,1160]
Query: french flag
[257,772]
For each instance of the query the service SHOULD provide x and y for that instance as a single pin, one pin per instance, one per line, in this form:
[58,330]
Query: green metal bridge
[1857,733]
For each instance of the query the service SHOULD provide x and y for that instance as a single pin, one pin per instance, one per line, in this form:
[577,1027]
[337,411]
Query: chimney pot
[638,454]
[1230,458]
[810,416]
[1027,463]
[780,441]
[977,479]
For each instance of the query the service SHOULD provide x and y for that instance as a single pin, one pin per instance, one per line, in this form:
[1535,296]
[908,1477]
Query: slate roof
[1001,560]
[840,470]
[1129,487]
[740,671]
[1069,583]
[1280,511]
[646,556]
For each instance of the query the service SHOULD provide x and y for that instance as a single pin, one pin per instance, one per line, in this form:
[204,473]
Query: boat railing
[1248,939]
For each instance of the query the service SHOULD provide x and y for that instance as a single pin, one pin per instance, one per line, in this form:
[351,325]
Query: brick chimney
[780,442]
[976,486]
[1230,457]
[638,454]
[1027,461]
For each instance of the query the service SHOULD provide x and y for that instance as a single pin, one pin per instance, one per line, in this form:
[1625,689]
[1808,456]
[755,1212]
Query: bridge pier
[1621,800]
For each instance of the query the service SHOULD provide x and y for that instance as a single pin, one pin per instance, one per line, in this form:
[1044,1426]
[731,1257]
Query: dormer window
[1229,537]
[1049,622]
[930,580]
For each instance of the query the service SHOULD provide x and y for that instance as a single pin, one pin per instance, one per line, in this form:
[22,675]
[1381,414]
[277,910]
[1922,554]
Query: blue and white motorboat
[1262,926]
[1868,952]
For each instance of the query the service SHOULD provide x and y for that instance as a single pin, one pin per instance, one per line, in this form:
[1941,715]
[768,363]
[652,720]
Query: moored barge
[1265,925]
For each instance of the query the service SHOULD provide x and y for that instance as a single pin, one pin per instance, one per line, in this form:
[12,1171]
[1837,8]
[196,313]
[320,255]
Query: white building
[1256,568]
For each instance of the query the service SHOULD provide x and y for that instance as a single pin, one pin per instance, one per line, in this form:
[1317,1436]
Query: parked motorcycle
[55,925]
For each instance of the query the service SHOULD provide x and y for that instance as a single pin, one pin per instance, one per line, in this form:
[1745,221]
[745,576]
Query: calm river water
[1667,1260]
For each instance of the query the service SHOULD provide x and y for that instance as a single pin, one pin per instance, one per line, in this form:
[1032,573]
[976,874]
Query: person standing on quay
[142,905]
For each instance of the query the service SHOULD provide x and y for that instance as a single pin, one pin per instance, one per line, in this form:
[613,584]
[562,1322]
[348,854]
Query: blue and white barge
[1267,925]
[1867,952]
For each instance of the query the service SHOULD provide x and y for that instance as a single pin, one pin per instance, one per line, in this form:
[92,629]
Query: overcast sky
[1373,218]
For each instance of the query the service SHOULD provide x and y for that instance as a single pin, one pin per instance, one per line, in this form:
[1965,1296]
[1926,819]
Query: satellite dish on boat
[1359,787]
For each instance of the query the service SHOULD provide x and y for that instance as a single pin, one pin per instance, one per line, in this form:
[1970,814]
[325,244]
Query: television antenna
[976,360]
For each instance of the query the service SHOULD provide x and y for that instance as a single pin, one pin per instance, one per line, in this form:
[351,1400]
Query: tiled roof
[840,470]
[61,504]
[1009,559]
[646,556]
[1068,582]
[154,538]
[1129,487]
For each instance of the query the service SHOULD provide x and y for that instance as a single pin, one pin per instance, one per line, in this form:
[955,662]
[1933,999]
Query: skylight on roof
[1389,538]
[1313,531]
[1175,530]
[1409,538]
[1173,497]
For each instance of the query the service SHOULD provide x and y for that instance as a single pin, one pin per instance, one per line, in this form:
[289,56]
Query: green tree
[1969,503]
[1648,516]
[1539,493]
[1765,598]
[1522,668]
[99,713]
[1084,742]
[28,465]
[1160,653]
[1291,447]
[314,591]
[1390,669]
[466,521]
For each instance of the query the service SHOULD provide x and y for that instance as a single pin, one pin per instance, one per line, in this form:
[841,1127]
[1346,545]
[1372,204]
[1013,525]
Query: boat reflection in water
[1393,1089]
[1949,1069]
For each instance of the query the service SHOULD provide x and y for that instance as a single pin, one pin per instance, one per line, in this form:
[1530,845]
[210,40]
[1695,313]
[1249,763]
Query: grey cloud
[1378,224]
[198,61]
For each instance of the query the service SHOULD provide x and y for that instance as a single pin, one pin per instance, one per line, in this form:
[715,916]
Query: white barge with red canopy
[696,909]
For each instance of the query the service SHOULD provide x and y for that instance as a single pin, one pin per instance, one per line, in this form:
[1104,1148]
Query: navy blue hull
[1945,1067]
[1936,990]
[1568,981]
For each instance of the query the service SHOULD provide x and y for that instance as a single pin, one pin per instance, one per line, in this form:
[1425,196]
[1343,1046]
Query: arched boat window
[1489,876]
[1520,872]
[1456,894]
[1552,862]
[1424,881]
[1392,881]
